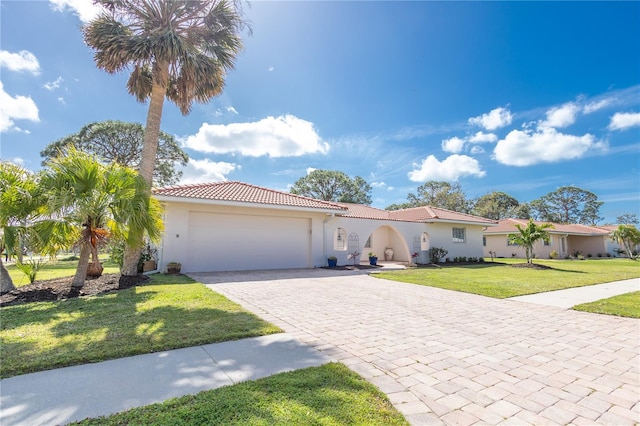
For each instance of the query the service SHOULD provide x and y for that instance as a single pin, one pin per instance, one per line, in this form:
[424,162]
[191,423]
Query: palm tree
[627,236]
[100,201]
[20,202]
[178,49]
[528,235]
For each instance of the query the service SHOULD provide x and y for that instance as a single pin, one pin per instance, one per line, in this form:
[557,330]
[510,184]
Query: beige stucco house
[231,226]
[565,240]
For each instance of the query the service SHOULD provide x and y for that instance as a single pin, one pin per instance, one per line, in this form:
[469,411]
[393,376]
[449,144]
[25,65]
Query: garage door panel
[223,242]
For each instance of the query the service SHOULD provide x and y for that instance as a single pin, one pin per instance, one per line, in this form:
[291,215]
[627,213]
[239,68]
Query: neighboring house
[565,240]
[231,226]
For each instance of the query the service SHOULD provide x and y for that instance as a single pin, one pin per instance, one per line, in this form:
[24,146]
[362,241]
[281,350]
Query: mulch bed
[531,266]
[60,288]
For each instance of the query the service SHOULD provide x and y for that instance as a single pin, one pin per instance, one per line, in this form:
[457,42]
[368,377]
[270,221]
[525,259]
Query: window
[459,235]
[547,242]
[340,240]
[484,241]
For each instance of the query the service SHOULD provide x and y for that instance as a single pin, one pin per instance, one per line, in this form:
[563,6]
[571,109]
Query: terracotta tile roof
[417,214]
[361,211]
[437,214]
[240,192]
[507,226]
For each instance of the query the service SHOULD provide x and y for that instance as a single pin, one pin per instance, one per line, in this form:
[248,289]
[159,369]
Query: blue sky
[519,97]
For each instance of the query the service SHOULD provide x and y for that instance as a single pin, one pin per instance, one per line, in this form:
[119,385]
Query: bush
[437,253]
[30,268]
[553,255]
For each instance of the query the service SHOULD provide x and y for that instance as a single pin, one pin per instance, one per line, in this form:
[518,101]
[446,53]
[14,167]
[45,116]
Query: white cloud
[199,171]
[61,100]
[453,145]
[481,137]
[378,184]
[495,119]
[18,108]
[283,136]
[270,69]
[310,170]
[53,85]
[477,150]
[596,105]
[84,9]
[546,145]
[21,61]
[450,169]
[561,116]
[624,120]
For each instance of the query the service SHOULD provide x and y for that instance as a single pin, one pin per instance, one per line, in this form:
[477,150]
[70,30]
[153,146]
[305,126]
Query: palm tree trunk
[6,283]
[83,265]
[96,267]
[149,151]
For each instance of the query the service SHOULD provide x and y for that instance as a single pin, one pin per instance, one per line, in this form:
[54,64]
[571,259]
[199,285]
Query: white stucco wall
[174,246]
[400,237]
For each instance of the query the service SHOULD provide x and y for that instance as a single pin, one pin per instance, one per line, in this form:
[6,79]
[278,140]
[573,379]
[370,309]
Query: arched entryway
[382,239]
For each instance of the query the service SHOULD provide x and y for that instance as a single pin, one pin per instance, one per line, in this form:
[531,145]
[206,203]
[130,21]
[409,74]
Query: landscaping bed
[60,288]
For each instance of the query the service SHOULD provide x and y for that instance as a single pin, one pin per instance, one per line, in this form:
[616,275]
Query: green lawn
[624,305]
[502,280]
[327,395]
[168,312]
[57,269]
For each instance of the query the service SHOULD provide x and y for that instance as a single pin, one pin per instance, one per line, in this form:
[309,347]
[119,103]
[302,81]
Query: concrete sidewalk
[571,297]
[69,394]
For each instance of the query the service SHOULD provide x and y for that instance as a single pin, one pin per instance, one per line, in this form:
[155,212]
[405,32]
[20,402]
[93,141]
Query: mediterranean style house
[232,226]
[566,240]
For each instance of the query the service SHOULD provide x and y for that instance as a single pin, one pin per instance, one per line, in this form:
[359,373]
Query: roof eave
[194,200]
[467,222]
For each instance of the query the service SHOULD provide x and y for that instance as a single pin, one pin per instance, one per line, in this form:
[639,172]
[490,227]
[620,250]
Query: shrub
[437,253]
[554,254]
[599,254]
[30,268]
[589,255]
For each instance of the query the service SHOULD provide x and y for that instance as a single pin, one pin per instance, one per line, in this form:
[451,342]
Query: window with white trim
[547,242]
[459,235]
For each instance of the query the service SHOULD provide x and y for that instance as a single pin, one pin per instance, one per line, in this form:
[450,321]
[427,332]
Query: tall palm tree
[20,203]
[100,201]
[178,49]
[528,235]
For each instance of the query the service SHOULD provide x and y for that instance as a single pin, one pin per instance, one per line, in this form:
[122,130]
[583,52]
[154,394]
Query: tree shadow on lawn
[119,328]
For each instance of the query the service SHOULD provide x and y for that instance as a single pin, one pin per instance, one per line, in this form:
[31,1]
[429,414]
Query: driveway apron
[445,357]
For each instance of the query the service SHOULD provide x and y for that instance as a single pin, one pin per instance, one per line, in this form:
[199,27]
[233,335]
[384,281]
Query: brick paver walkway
[444,357]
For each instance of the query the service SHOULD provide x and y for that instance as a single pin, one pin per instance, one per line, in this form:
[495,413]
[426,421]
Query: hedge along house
[566,240]
[234,226]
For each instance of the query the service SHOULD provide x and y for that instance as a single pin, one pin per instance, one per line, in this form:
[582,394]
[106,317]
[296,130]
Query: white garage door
[224,242]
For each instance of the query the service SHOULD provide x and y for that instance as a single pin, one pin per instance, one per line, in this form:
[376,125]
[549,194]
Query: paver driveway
[445,357]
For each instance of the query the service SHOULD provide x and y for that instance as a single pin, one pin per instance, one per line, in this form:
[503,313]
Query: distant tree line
[568,204]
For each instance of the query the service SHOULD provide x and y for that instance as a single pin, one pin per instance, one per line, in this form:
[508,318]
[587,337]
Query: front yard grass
[167,312]
[624,305]
[501,280]
[57,269]
[327,395]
